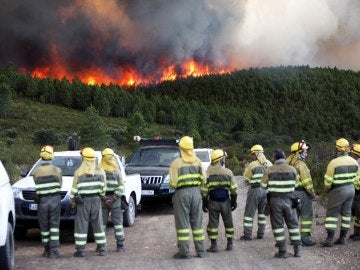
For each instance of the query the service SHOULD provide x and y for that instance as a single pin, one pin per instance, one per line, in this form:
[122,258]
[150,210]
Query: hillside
[26,117]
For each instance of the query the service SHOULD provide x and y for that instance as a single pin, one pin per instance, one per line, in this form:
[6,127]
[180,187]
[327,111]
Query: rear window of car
[68,165]
[203,156]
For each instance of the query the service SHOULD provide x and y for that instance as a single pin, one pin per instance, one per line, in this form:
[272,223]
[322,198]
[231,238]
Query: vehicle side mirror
[24,172]
[122,160]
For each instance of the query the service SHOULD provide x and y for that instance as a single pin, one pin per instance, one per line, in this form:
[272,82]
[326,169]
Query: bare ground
[151,243]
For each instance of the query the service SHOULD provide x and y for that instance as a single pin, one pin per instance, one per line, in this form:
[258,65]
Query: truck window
[154,157]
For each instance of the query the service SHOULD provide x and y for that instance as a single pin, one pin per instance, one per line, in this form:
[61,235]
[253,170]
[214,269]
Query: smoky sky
[148,35]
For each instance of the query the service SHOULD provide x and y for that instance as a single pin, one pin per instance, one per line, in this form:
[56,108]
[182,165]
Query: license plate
[147,192]
[33,206]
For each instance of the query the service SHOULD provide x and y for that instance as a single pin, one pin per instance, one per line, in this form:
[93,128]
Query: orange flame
[125,76]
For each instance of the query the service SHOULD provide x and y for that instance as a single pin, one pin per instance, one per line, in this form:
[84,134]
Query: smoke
[114,36]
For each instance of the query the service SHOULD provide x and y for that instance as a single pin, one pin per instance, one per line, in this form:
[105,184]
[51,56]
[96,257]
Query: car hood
[148,170]
[28,183]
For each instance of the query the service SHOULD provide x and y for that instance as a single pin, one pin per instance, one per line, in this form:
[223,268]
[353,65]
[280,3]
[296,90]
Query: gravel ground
[151,243]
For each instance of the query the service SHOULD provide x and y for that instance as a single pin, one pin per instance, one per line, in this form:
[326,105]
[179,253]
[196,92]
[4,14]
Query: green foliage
[5,100]
[93,130]
[234,164]
[48,137]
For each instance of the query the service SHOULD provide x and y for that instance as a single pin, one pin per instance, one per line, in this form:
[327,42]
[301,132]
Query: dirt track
[152,242]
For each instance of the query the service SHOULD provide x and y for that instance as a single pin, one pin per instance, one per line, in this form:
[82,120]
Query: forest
[273,106]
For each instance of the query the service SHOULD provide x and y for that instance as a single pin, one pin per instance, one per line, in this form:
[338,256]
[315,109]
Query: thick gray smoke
[147,36]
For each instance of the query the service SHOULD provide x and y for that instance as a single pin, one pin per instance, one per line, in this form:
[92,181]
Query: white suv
[7,222]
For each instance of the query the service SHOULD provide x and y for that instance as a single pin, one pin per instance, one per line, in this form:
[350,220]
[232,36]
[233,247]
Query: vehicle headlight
[17,192]
[166,179]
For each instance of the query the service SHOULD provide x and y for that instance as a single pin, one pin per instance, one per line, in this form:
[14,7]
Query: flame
[125,76]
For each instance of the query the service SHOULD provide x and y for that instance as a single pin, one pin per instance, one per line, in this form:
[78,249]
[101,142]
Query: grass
[26,117]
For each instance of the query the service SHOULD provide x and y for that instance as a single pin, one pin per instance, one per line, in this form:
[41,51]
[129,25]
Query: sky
[147,36]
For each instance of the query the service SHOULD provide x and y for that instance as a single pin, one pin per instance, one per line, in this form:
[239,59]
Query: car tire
[7,252]
[130,213]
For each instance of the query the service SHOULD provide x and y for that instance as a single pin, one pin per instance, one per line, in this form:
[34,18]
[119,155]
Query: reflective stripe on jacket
[48,179]
[343,170]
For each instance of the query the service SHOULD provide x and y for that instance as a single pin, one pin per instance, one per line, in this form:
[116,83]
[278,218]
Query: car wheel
[7,252]
[130,213]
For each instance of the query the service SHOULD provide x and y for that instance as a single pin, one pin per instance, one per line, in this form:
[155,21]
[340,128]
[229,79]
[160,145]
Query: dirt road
[152,242]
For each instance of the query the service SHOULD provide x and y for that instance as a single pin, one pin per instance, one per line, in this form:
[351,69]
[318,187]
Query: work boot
[282,250]
[101,250]
[229,245]
[120,247]
[355,236]
[307,242]
[181,256]
[55,253]
[246,237]
[342,238]
[79,253]
[201,254]
[329,241]
[260,235]
[213,247]
[297,250]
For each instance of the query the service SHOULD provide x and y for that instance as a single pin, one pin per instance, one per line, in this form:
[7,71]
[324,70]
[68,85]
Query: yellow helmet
[342,145]
[299,147]
[88,154]
[186,143]
[355,149]
[107,152]
[257,148]
[47,152]
[217,155]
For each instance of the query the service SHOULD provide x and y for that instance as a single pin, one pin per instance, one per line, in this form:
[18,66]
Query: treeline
[244,106]
[271,106]
[267,105]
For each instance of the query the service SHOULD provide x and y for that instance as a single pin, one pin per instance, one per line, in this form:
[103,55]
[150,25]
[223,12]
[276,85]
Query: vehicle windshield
[154,157]
[203,156]
[68,165]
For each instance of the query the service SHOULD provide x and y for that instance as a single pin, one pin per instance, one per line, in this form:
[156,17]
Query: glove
[205,204]
[108,201]
[124,204]
[233,202]
[78,199]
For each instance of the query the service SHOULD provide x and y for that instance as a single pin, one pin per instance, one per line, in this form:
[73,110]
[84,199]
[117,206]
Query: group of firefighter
[282,189]
[96,192]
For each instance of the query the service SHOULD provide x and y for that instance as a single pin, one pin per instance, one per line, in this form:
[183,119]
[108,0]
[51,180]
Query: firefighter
[304,190]
[339,179]
[87,190]
[114,192]
[355,153]
[48,181]
[220,182]
[256,195]
[187,177]
[280,180]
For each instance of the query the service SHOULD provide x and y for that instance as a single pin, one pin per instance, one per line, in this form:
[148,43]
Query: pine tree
[93,131]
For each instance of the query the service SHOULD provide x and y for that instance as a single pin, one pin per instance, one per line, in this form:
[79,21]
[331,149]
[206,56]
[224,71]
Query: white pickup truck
[68,161]
[7,222]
